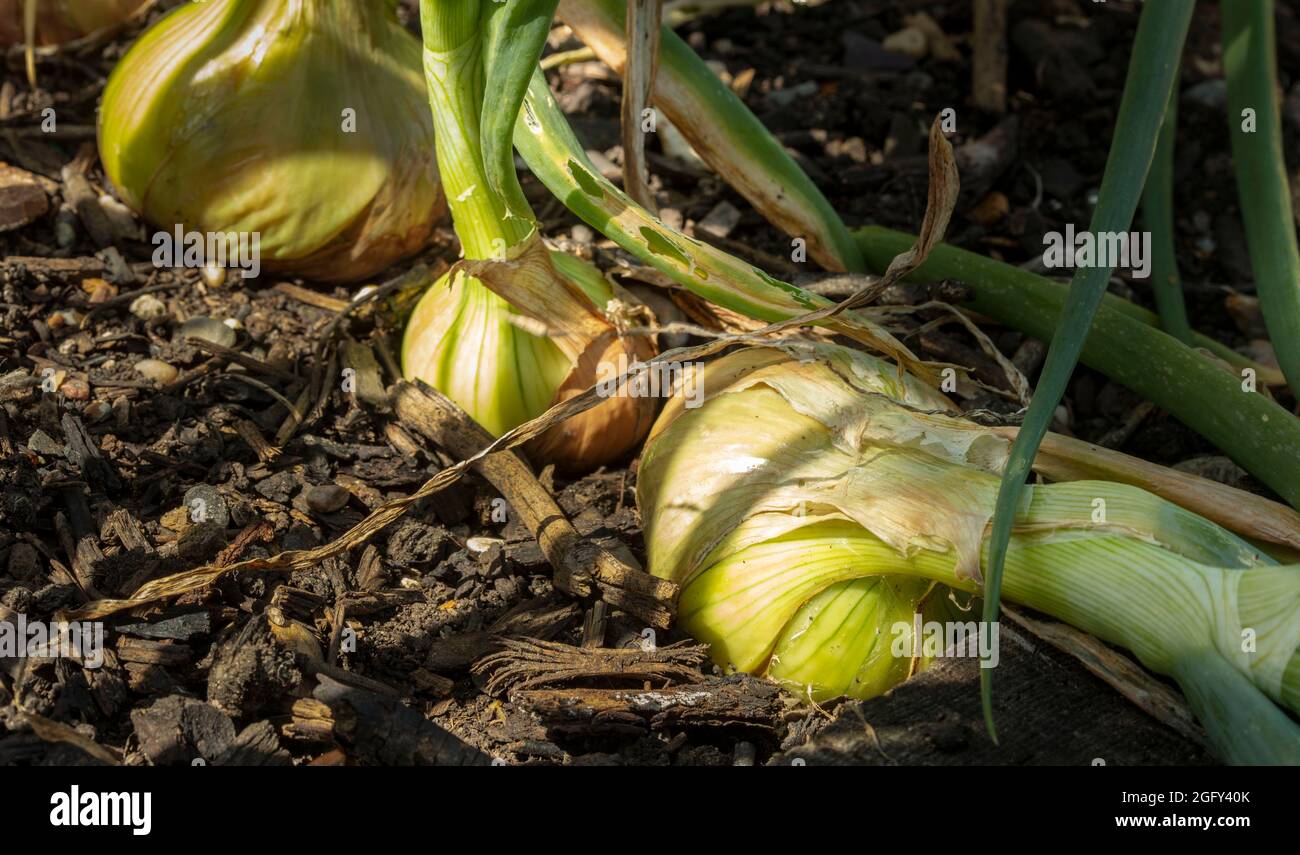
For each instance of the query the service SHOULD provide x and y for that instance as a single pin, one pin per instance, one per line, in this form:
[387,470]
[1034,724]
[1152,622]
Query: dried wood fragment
[310,297]
[22,199]
[148,652]
[370,569]
[85,201]
[126,528]
[252,363]
[594,625]
[253,438]
[990,60]
[734,702]
[582,568]
[83,453]
[312,720]
[58,268]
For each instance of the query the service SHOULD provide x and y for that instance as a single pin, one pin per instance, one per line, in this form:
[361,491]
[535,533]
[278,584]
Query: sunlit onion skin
[59,21]
[229,116]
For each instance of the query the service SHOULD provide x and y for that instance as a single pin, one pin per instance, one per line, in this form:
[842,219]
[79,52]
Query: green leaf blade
[1250,65]
[514,36]
[1157,50]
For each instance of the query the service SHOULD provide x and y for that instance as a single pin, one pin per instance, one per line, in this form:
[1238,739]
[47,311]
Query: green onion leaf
[730,138]
[514,36]
[1124,344]
[1250,63]
[1151,77]
[1158,211]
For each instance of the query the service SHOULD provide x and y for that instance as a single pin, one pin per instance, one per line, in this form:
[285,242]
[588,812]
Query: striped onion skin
[303,123]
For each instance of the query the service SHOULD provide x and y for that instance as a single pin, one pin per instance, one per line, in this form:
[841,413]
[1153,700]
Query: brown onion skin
[59,21]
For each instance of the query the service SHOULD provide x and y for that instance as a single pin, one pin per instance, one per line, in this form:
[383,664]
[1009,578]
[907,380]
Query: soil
[101,465]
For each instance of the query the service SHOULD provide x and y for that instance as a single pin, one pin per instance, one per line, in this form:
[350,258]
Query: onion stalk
[813,500]
[300,121]
[513,328]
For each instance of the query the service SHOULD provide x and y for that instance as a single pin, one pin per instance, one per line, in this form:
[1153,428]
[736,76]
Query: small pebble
[97,411]
[908,41]
[24,563]
[147,307]
[214,275]
[75,388]
[205,504]
[156,370]
[327,498]
[43,444]
[99,290]
[208,329]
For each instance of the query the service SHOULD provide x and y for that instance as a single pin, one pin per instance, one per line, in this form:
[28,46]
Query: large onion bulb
[304,121]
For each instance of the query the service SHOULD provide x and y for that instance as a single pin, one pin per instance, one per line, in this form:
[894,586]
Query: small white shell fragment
[479,545]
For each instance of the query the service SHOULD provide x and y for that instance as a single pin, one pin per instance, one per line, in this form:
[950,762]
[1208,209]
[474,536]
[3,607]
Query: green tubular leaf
[1158,211]
[555,156]
[1250,64]
[453,70]
[724,132]
[1106,506]
[1239,721]
[1153,70]
[514,35]
[547,142]
[450,24]
[1253,430]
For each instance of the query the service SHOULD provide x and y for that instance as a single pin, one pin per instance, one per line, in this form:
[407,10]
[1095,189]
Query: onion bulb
[507,340]
[59,21]
[819,499]
[303,121]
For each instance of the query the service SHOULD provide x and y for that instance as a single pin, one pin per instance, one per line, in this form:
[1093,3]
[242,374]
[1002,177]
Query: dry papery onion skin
[304,122]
